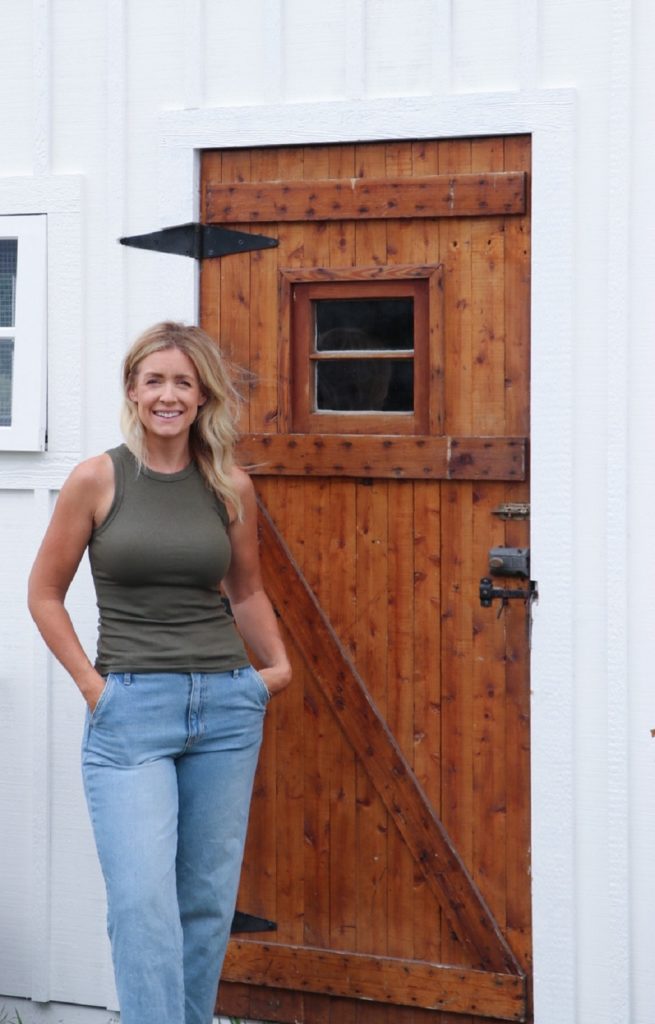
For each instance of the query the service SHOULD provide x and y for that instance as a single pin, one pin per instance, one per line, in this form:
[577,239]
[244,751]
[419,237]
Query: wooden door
[387,335]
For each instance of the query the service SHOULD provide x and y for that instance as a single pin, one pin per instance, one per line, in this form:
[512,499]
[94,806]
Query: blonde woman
[174,709]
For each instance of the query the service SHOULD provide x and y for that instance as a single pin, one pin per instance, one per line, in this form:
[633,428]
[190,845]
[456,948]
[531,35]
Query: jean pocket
[103,699]
[264,690]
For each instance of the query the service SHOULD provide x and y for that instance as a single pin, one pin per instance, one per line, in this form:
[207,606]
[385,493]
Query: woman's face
[167,393]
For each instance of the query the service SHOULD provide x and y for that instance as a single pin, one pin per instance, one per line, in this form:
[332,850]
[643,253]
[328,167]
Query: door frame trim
[549,116]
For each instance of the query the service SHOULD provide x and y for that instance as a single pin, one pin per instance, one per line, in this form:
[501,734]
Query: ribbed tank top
[157,560]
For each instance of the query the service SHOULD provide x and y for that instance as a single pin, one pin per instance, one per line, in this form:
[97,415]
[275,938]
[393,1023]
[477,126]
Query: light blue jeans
[168,762]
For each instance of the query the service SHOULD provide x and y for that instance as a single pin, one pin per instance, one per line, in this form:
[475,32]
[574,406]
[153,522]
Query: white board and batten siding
[105,104]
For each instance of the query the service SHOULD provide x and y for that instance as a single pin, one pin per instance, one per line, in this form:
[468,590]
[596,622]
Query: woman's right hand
[91,688]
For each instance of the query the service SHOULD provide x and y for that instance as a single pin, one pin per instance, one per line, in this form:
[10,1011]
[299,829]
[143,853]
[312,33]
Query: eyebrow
[178,376]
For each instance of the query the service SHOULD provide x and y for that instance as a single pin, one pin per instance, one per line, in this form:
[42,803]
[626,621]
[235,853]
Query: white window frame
[27,432]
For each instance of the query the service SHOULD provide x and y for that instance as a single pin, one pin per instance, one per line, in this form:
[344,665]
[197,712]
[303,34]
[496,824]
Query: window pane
[365,385]
[361,324]
[8,255]
[6,379]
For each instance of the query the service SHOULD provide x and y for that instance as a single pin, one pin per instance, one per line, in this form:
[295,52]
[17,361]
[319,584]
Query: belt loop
[236,672]
[127,678]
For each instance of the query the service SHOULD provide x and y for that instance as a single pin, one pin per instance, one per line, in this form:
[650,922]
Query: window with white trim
[22,333]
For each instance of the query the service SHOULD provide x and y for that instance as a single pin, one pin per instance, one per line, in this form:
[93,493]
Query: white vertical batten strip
[552,543]
[275,14]
[116,156]
[195,86]
[617,600]
[194,50]
[529,58]
[355,50]
[442,47]
[40,920]
[42,69]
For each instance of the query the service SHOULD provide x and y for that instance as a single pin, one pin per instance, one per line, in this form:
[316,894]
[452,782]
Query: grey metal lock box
[510,562]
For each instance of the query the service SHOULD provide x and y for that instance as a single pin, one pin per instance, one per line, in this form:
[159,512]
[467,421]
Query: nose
[167,393]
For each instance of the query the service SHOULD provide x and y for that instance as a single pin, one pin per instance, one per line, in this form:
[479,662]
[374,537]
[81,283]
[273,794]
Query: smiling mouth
[167,415]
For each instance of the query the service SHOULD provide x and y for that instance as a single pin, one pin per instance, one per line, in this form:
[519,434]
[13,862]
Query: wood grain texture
[392,546]
[397,456]
[383,979]
[384,762]
[456,195]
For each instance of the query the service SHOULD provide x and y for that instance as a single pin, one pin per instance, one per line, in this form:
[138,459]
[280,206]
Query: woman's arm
[87,490]
[251,607]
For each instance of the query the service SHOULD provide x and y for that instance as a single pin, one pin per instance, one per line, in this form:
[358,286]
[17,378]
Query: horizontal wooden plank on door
[385,455]
[390,980]
[439,195]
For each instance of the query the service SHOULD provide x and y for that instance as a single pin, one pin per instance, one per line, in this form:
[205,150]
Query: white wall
[103,104]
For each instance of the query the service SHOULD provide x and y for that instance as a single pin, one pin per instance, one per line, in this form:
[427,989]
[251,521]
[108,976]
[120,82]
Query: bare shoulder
[92,475]
[89,490]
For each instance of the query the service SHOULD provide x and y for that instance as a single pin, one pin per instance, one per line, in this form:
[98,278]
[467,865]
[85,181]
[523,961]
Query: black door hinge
[249,923]
[200,241]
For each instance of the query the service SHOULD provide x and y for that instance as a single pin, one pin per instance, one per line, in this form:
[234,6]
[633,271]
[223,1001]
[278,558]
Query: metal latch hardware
[510,562]
[489,593]
[200,241]
[513,510]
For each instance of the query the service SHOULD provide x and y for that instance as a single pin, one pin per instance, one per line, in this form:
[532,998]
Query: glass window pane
[6,379]
[361,324]
[364,385]
[8,258]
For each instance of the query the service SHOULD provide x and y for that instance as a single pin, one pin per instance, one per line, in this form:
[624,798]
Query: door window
[360,351]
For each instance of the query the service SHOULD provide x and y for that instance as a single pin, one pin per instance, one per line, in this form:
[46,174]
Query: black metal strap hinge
[200,241]
[248,923]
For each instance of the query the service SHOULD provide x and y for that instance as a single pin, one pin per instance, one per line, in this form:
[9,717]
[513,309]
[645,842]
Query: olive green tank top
[157,560]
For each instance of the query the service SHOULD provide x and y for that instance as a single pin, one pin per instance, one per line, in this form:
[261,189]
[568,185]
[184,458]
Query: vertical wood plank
[455,246]
[517,313]
[263,362]
[455,243]
[343,769]
[342,604]
[488,303]
[372,824]
[288,725]
[427,689]
[320,727]
[210,274]
[235,285]
[489,714]
[401,248]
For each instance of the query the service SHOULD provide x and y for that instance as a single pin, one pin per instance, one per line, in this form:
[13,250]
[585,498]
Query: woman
[175,711]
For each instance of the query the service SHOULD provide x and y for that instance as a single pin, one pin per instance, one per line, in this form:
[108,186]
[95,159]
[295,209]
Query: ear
[203,399]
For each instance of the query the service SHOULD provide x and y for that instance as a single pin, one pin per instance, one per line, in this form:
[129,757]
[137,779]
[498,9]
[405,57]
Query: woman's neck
[167,456]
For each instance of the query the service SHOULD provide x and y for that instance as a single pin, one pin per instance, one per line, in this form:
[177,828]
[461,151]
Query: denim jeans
[168,762]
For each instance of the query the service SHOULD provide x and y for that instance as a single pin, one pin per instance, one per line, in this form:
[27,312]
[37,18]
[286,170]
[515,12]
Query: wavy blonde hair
[213,433]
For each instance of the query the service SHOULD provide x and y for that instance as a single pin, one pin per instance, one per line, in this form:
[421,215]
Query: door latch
[505,561]
[489,593]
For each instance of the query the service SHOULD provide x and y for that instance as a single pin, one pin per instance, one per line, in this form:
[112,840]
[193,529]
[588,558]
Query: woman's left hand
[276,678]
[252,610]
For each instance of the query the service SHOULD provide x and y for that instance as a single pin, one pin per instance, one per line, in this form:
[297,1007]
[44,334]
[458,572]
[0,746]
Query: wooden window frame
[299,288]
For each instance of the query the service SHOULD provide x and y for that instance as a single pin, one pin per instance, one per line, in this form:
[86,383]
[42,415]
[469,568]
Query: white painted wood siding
[103,102]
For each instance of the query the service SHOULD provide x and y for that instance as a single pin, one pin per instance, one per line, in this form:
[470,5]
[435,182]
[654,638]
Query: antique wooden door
[387,335]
